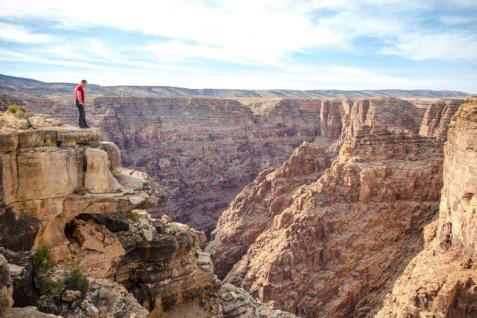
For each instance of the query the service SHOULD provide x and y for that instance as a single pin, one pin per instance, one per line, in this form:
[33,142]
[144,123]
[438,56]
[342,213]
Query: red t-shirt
[79,89]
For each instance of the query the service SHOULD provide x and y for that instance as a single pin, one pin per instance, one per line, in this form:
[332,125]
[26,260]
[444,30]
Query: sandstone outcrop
[317,255]
[441,280]
[169,274]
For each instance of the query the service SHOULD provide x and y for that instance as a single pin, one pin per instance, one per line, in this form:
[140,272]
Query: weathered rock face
[441,280]
[317,255]
[460,180]
[50,175]
[205,150]
[104,298]
[95,245]
[437,117]
[163,265]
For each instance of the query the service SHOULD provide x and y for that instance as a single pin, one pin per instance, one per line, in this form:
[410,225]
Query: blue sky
[254,44]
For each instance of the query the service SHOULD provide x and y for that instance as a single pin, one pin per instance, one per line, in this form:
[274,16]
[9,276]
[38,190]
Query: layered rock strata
[252,211]
[204,150]
[441,280]
[437,117]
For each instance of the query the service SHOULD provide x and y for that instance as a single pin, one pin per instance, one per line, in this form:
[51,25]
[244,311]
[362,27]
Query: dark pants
[81,116]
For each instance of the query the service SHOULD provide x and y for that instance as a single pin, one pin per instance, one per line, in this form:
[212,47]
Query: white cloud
[20,34]
[445,46]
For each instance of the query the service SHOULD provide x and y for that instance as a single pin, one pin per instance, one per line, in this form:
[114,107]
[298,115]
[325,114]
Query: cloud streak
[20,34]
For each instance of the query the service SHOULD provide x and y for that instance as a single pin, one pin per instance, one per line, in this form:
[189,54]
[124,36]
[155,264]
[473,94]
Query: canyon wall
[205,150]
[441,280]
[309,235]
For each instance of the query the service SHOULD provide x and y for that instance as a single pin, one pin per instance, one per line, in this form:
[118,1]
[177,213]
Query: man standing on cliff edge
[79,101]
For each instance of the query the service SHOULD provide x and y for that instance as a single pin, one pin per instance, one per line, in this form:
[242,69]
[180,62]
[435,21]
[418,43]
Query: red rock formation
[249,214]
[204,150]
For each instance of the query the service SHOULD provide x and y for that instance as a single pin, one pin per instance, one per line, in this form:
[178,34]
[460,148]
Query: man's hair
[84,81]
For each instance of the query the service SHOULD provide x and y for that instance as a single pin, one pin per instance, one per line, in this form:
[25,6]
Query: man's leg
[84,118]
[81,119]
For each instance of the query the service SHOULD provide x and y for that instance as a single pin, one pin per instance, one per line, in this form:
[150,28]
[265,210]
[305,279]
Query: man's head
[84,82]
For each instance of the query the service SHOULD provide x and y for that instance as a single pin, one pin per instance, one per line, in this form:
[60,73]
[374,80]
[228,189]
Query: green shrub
[43,266]
[48,286]
[133,216]
[14,109]
[75,278]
